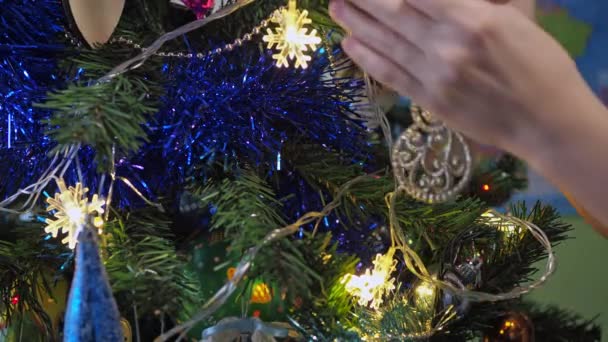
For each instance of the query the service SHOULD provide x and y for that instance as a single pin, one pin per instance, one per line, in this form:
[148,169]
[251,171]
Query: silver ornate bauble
[431,162]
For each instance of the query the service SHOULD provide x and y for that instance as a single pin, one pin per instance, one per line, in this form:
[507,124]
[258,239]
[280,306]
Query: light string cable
[415,264]
[58,167]
[222,295]
[413,261]
[151,50]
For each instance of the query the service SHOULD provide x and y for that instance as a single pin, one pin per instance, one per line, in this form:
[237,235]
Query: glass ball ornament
[465,276]
[513,327]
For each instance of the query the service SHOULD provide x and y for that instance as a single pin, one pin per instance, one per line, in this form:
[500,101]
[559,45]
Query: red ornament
[257,313]
[15,300]
[200,7]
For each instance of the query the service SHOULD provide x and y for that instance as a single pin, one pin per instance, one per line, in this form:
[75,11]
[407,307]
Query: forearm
[573,154]
[526,6]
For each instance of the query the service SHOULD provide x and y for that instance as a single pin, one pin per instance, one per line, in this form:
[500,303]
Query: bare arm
[572,151]
[561,159]
[526,6]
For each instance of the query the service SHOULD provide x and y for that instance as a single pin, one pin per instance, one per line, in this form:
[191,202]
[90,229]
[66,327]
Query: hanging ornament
[291,38]
[514,327]
[464,276]
[261,293]
[425,295]
[248,329]
[431,162]
[200,8]
[126,330]
[70,207]
[91,314]
[92,20]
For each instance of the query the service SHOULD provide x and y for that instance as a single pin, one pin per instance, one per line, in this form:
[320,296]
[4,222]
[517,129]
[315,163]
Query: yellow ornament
[371,287]
[425,296]
[261,294]
[230,273]
[71,208]
[291,38]
[127,333]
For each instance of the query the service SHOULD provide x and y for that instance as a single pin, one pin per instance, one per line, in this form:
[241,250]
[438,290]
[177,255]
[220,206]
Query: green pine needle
[145,270]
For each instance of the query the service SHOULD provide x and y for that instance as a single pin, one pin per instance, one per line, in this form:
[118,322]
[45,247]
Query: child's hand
[485,69]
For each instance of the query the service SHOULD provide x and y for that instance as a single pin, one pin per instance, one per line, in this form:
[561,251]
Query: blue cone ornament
[92,314]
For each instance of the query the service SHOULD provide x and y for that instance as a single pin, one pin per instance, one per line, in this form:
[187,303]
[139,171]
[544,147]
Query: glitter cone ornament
[91,314]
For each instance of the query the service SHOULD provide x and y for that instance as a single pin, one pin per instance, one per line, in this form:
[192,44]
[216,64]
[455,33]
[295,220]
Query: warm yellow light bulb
[70,207]
[291,38]
[425,290]
[75,214]
[503,225]
[371,287]
[291,35]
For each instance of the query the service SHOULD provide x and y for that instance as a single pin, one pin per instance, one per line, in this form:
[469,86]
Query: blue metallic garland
[30,46]
[239,109]
[234,109]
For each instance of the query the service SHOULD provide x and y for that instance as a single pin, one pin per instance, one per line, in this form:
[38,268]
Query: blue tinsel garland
[235,109]
[30,44]
[239,109]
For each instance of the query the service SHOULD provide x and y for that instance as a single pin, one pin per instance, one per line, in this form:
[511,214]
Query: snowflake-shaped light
[71,208]
[292,39]
[371,287]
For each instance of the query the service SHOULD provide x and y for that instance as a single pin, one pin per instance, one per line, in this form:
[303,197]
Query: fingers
[414,55]
[394,15]
[376,36]
[390,10]
[381,68]
[435,9]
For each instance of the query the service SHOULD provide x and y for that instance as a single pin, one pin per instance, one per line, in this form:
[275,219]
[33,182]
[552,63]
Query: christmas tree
[219,170]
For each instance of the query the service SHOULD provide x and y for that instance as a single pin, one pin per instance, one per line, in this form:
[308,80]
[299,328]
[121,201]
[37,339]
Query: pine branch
[328,300]
[509,259]
[327,311]
[23,265]
[102,116]
[514,261]
[246,210]
[143,18]
[107,116]
[327,170]
[552,324]
[145,269]
[405,317]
